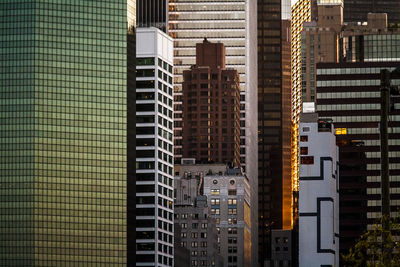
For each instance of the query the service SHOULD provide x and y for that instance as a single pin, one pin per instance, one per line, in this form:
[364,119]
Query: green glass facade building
[63,140]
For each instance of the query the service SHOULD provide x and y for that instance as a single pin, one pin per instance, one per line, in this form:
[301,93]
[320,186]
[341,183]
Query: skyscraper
[210,98]
[233,24]
[154,148]
[300,12]
[63,142]
[318,193]
[274,121]
[131,134]
[357,10]
[152,13]
[349,93]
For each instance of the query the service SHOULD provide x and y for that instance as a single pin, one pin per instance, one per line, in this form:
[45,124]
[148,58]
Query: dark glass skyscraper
[357,10]
[63,140]
[152,13]
[274,121]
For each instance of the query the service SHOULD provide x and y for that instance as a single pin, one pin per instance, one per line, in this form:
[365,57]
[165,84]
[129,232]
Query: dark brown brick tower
[211,103]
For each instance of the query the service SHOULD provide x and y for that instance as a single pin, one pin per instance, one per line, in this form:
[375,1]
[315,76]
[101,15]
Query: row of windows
[336,83]
[209,15]
[374,191]
[337,71]
[196,253]
[194,225]
[194,235]
[193,7]
[347,95]
[392,178]
[216,201]
[195,244]
[231,211]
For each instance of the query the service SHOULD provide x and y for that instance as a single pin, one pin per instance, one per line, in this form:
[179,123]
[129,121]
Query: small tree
[369,250]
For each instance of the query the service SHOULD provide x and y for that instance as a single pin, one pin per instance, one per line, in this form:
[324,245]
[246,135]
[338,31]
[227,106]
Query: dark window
[145,257]
[145,96]
[145,200]
[144,246]
[145,61]
[145,130]
[145,73]
[145,188]
[232,192]
[145,176]
[307,160]
[144,84]
[203,76]
[304,138]
[145,153]
[145,119]
[144,234]
[144,212]
[145,142]
[145,165]
[303,150]
[144,107]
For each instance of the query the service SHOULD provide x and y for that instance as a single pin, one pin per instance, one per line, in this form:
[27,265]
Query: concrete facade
[229,197]
[227,192]
[199,233]
[319,193]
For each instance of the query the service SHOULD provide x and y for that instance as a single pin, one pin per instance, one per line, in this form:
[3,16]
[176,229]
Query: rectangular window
[232,201]
[232,211]
[144,61]
[215,211]
[303,150]
[145,84]
[215,201]
[145,73]
[307,160]
[214,191]
[304,138]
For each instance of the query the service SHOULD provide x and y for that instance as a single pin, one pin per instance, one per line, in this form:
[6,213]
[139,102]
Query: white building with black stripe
[319,193]
[154,149]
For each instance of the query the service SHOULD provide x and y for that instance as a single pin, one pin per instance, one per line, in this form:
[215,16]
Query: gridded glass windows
[63,94]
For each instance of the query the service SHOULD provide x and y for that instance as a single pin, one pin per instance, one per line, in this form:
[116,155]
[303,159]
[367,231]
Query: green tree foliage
[368,250]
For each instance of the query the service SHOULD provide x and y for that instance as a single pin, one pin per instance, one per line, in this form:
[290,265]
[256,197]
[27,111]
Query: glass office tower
[63,144]
[357,10]
[274,121]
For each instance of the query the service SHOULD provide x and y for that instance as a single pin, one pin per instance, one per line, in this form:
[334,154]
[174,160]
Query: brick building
[211,108]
